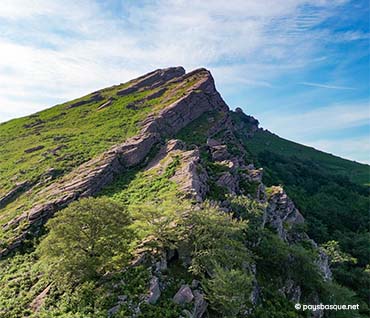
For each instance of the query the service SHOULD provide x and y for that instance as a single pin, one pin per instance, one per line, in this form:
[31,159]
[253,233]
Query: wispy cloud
[351,147]
[328,86]
[52,51]
[323,128]
[308,125]
[62,49]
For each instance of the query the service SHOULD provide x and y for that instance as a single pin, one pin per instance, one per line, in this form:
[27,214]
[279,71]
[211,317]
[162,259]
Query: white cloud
[358,147]
[329,86]
[305,126]
[310,127]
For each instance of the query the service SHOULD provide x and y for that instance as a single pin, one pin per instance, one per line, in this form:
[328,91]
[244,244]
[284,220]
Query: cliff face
[191,122]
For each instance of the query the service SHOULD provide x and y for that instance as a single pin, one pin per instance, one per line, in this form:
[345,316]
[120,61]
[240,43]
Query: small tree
[87,239]
[229,291]
[215,236]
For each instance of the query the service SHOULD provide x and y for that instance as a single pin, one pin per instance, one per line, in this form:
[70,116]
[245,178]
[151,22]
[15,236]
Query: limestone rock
[153,79]
[34,149]
[282,214]
[291,291]
[14,193]
[220,153]
[323,264]
[154,291]
[200,305]
[184,295]
[228,181]
[40,299]
[191,177]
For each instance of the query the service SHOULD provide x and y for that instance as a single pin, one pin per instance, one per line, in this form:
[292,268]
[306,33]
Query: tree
[215,236]
[87,239]
[229,291]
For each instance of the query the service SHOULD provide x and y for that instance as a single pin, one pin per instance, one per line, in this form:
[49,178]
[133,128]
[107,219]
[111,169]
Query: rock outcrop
[282,215]
[91,177]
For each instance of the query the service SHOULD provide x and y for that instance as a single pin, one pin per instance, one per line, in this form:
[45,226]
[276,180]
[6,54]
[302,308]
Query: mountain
[153,199]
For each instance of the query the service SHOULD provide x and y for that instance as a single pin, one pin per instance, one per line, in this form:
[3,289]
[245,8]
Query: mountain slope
[205,232]
[266,141]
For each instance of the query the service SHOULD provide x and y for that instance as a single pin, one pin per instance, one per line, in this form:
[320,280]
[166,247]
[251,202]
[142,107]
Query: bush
[228,291]
[86,240]
[215,236]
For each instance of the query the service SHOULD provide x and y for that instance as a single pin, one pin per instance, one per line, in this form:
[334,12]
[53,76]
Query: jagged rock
[184,295]
[14,193]
[254,175]
[153,79]
[154,291]
[228,181]
[213,142]
[291,291]
[191,177]
[39,300]
[282,215]
[220,153]
[200,305]
[96,97]
[323,264]
[33,149]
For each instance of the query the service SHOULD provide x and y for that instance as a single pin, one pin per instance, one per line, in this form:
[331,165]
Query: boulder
[184,295]
[200,305]
[154,291]
[34,149]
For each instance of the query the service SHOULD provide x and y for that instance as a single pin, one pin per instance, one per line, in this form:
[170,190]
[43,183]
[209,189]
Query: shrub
[228,291]
[86,240]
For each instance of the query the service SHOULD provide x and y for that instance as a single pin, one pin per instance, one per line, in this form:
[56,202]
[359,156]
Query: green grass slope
[267,141]
[45,146]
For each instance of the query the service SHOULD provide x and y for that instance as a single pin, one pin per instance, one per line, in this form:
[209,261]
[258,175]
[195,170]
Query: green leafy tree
[215,236]
[87,239]
[157,222]
[229,291]
[332,249]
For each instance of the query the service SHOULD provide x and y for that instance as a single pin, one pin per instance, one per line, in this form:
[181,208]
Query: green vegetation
[196,132]
[86,240]
[264,141]
[49,144]
[101,254]
[229,292]
[329,192]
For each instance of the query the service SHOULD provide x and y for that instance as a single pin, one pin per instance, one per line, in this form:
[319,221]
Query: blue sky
[299,66]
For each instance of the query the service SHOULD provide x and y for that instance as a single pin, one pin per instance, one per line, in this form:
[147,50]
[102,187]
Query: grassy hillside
[129,250]
[267,141]
[40,148]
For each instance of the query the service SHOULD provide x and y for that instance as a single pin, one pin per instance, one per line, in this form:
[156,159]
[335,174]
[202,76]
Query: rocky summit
[153,198]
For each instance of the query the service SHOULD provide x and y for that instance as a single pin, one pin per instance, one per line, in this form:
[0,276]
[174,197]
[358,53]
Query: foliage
[332,249]
[157,222]
[215,237]
[228,291]
[330,194]
[86,240]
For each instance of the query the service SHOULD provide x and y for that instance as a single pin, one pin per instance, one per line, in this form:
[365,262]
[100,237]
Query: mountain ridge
[176,152]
